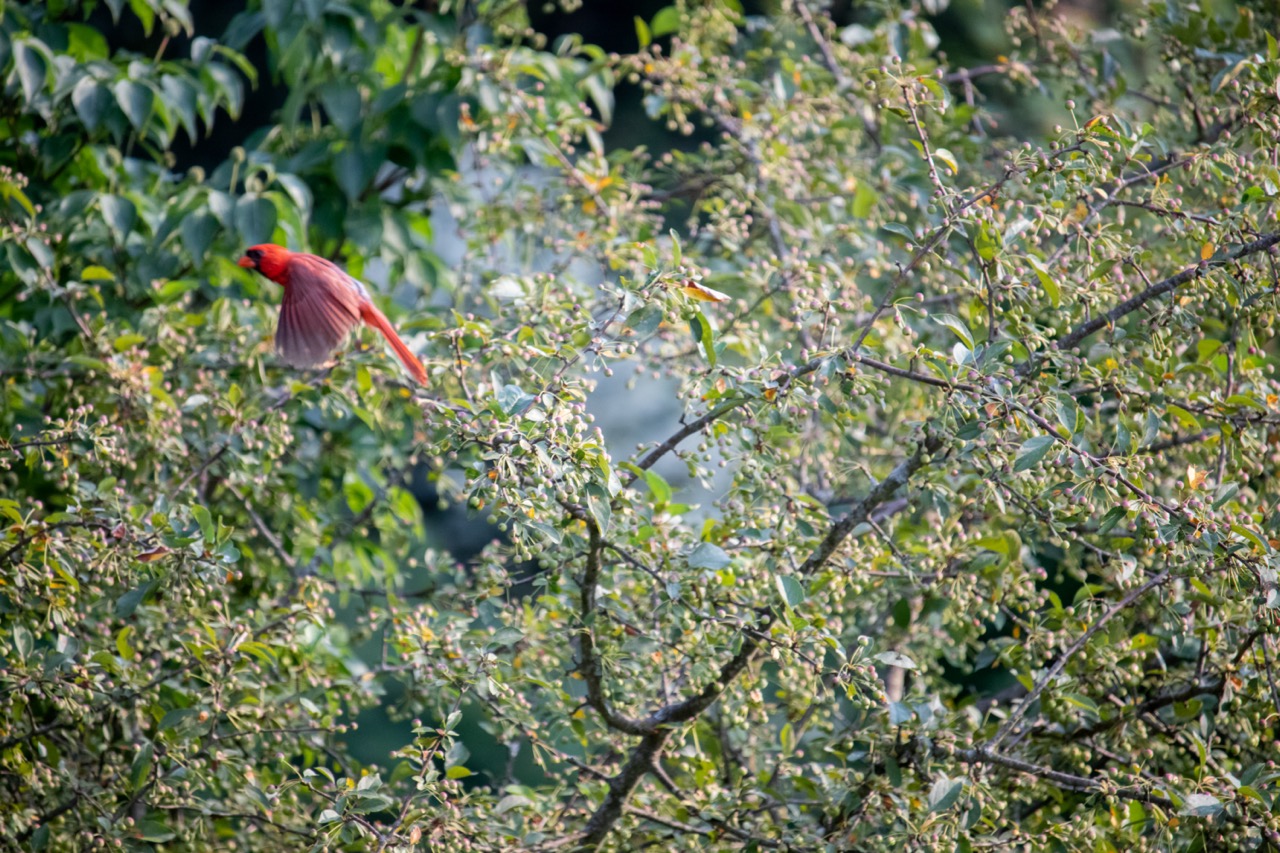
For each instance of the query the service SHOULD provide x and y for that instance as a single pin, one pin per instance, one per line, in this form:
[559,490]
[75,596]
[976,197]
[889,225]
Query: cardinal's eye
[255,255]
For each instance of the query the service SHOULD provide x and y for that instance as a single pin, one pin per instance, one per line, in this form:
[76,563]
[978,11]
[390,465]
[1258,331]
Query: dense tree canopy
[981,354]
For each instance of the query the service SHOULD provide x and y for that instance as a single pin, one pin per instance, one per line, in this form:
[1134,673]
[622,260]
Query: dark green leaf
[120,215]
[255,218]
[342,105]
[646,321]
[1031,452]
[708,556]
[198,230]
[141,769]
[32,69]
[91,100]
[352,172]
[944,794]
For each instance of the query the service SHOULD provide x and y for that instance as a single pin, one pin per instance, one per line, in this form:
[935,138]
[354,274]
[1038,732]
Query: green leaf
[645,321]
[988,242]
[136,101]
[900,229]
[945,155]
[23,643]
[513,400]
[658,487]
[643,34]
[898,659]
[120,215]
[944,794]
[1031,452]
[956,325]
[205,520]
[1069,415]
[598,504]
[91,101]
[198,231]
[122,642]
[357,493]
[1050,286]
[1081,701]
[141,768]
[708,556]
[342,103]
[791,590]
[127,341]
[298,191]
[700,326]
[32,69]
[145,13]
[1111,519]
[1201,805]
[864,199]
[1185,418]
[155,831]
[351,172]
[255,218]
[666,22]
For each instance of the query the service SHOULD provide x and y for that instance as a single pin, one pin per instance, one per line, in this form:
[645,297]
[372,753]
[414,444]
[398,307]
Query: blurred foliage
[995,412]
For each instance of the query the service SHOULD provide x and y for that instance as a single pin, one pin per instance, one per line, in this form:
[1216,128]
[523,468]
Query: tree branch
[654,727]
[620,788]
[984,755]
[1058,665]
[589,665]
[1160,288]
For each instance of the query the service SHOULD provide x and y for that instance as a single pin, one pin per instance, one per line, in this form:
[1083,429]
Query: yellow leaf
[701,292]
[96,273]
[152,555]
[1195,478]
[1206,251]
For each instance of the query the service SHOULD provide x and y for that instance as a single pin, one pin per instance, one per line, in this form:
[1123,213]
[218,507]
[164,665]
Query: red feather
[321,305]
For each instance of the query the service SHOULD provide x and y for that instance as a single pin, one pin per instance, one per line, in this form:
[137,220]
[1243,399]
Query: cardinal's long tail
[371,315]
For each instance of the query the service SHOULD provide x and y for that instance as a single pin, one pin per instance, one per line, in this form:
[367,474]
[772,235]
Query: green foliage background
[996,562]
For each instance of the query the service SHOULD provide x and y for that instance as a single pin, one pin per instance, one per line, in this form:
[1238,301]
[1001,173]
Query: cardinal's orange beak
[246,262]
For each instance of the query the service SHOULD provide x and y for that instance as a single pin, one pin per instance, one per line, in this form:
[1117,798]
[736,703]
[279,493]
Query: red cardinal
[321,304]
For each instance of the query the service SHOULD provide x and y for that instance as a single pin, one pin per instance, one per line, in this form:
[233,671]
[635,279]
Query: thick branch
[984,755]
[620,788]
[1160,288]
